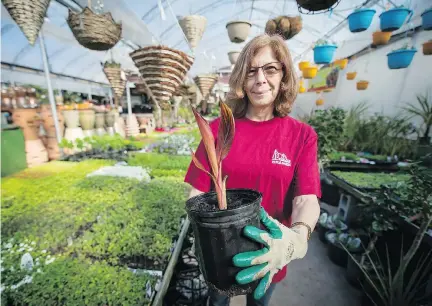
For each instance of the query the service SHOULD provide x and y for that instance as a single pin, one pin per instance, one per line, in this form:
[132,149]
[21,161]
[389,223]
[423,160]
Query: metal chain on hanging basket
[29,15]
[94,31]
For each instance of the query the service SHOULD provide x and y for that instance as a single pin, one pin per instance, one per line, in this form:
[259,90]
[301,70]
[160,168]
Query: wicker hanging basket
[118,83]
[163,69]
[29,15]
[193,26]
[94,31]
[206,83]
[285,26]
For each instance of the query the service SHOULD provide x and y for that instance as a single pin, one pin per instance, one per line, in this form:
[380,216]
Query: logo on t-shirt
[280,159]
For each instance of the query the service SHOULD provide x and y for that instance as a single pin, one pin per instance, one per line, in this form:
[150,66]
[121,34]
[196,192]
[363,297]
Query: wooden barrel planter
[36,153]
[48,121]
[193,27]
[94,31]
[29,16]
[29,121]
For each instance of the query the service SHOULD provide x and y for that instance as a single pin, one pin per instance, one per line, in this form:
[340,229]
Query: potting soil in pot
[219,236]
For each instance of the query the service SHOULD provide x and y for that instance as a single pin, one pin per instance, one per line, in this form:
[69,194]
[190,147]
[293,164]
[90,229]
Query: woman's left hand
[282,244]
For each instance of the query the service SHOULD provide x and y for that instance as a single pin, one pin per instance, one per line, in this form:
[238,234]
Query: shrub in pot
[218,217]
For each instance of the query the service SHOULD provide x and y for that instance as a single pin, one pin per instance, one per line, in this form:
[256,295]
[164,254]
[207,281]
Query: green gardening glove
[282,244]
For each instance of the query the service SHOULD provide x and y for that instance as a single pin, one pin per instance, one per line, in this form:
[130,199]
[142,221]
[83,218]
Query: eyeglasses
[269,70]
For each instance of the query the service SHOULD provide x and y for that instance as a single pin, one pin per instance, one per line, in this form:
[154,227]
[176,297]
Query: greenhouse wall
[388,90]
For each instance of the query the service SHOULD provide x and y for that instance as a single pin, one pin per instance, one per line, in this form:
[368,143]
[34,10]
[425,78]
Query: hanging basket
[302,89]
[323,54]
[193,27]
[117,81]
[427,20]
[162,68]
[381,38]
[238,31]
[285,26]
[319,102]
[206,83]
[351,75]
[303,65]
[310,72]
[316,5]
[342,63]
[362,85]
[233,56]
[94,31]
[360,20]
[394,18]
[400,59]
[427,48]
[29,15]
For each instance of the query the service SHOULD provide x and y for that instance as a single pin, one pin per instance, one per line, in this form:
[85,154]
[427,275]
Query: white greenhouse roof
[154,21]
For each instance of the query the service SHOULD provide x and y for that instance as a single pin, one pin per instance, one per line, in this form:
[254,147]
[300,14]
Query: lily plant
[216,153]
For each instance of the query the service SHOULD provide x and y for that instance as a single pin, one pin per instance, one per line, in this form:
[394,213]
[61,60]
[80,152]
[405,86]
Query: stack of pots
[50,132]
[29,121]
[87,118]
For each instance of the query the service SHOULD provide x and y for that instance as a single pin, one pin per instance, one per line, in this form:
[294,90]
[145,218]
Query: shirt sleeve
[307,176]
[196,177]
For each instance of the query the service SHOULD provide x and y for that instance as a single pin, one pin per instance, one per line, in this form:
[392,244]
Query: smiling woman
[273,154]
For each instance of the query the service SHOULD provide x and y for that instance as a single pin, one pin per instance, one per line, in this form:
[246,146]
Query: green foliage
[337,156]
[168,172]
[160,161]
[111,64]
[423,109]
[371,179]
[173,145]
[328,124]
[186,113]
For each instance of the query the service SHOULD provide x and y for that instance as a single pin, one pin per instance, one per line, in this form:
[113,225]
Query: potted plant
[328,223]
[401,58]
[360,19]
[427,19]
[394,18]
[193,27]
[218,217]
[362,85]
[423,109]
[238,31]
[339,244]
[324,52]
[427,47]
[381,38]
[310,72]
[233,56]
[351,75]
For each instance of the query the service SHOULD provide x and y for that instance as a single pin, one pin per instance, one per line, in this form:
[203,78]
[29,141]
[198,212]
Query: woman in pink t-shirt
[272,153]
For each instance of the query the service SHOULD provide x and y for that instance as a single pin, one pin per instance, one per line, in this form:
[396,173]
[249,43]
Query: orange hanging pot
[427,48]
[351,75]
[342,63]
[303,65]
[381,38]
[319,102]
[302,89]
[310,72]
[362,85]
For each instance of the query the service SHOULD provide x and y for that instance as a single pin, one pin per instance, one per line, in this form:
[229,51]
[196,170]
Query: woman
[272,153]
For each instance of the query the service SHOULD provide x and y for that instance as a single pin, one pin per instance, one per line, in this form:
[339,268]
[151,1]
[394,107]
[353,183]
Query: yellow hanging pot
[351,75]
[362,85]
[342,63]
[302,89]
[381,38]
[303,65]
[319,102]
[310,72]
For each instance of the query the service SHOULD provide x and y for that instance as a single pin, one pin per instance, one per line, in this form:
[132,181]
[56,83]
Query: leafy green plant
[372,180]
[423,109]
[339,156]
[352,124]
[111,64]
[159,161]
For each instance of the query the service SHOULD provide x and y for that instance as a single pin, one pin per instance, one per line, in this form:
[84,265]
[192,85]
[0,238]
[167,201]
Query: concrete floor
[313,280]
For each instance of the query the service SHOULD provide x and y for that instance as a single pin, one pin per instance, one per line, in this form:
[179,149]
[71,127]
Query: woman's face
[264,78]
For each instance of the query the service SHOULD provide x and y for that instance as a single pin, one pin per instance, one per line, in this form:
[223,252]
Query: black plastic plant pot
[353,273]
[337,254]
[219,236]
[321,233]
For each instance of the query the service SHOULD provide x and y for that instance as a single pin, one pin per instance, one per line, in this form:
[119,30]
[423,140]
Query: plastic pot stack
[193,26]
[163,69]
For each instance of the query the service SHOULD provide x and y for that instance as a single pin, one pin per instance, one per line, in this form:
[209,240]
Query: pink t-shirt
[277,157]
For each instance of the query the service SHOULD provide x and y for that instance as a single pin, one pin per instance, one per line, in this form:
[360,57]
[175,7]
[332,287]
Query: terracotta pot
[238,31]
[48,121]
[29,121]
[362,85]
[100,120]
[71,118]
[110,118]
[87,119]
[36,153]
[52,148]
[351,75]
[427,48]
[381,38]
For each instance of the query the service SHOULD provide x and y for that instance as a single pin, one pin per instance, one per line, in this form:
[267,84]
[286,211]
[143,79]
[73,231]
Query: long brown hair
[237,98]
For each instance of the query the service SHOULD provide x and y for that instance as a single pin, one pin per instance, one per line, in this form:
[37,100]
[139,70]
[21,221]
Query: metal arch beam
[150,12]
[73,60]
[57,52]
[24,50]
[6,28]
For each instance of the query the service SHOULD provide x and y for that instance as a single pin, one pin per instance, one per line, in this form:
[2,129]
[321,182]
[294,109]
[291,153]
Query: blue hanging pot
[360,20]
[400,58]
[394,18]
[427,20]
[323,54]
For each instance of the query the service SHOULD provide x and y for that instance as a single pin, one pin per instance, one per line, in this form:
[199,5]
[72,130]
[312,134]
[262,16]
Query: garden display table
[13,155]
